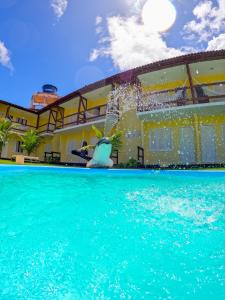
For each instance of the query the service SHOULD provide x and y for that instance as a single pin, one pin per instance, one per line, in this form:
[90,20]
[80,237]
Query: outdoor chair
[201,96]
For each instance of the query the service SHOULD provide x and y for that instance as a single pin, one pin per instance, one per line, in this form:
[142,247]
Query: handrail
[71,115]
[46,129]
[25,125]
[46,124]
[198,98]
[169,90]
[22,127]
[87,118]
[92,108]
[99,106]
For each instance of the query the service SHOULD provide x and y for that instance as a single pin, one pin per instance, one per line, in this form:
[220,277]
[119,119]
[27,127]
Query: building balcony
[21,128]
[183,101]
[46,129]
[90,116]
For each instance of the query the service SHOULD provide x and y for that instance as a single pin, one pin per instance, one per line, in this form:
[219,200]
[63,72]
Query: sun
[158,15]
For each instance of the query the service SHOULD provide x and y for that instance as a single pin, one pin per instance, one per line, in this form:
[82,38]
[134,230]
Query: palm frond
[99,134]
[30,140]
[88,147]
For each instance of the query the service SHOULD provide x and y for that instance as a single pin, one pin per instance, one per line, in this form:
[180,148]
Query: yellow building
[176,116]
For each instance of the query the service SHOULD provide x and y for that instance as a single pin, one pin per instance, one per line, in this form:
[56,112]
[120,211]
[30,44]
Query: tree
[30,140]
[6,128]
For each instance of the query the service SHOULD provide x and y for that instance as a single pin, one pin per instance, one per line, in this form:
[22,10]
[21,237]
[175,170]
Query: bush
[132,163]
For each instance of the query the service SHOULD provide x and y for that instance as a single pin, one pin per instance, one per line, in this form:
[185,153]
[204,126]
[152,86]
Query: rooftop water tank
[49,88]
[47,96]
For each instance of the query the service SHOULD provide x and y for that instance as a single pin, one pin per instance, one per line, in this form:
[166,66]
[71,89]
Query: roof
[18,106]
[131,75]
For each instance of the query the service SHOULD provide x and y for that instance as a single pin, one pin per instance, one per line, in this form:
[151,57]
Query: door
[187,145]
[208,144]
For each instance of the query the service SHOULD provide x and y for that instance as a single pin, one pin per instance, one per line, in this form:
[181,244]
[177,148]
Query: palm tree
[6,128]
[30,140]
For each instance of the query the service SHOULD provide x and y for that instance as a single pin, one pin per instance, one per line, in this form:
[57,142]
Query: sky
[71,43]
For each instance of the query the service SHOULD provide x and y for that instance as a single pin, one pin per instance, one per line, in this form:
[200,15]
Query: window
[21,121]
[19,149]
[161,139]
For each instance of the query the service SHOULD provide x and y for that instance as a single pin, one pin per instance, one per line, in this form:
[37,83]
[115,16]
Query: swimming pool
[101,234]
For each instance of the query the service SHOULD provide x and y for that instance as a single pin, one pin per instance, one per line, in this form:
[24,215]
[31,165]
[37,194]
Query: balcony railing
[89,115]
[22,128]
[202,93]
[46,128]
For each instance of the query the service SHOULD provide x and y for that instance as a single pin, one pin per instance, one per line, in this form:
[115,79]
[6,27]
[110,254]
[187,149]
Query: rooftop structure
[44,98]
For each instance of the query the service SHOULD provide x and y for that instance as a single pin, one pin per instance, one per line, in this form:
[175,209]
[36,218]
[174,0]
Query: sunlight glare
[158,15]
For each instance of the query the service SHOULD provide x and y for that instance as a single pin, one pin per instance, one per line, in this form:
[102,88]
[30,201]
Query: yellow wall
[173,157]
[43,118]
[19,113]
[91,104]
[165,86]
[164,157]
[3,109]
[130,126]
[208,79]
[31,118]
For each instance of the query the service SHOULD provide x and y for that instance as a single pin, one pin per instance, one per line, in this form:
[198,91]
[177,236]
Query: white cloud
[217,43]
[135,5]
[98,20]
[94,54]
[129,43]
[209,21]
[5,56]
[59,7]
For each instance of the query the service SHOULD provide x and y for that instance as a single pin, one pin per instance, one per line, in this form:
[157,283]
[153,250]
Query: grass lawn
[10,162]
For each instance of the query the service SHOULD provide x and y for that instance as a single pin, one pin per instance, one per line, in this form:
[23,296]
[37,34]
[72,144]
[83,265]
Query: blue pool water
[92,234]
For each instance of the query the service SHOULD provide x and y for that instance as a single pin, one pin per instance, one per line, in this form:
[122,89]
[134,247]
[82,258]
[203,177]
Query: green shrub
[132,163]
[31,141]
